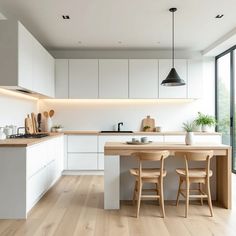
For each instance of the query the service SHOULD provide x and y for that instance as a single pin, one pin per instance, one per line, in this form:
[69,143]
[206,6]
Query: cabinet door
[143,79]
[82,161]
[195,80]
[82,143]
[49,74]
[25,57]
[101,161]
[174,138]
[83,78]
[62,78]
[165,66]
[113,78]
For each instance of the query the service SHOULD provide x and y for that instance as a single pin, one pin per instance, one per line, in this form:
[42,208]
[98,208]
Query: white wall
[102,115]
[14,108]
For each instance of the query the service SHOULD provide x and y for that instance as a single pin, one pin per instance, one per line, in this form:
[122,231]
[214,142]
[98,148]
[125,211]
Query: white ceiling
[136,23]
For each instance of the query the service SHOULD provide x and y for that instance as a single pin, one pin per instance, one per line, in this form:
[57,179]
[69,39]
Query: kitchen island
[117,162]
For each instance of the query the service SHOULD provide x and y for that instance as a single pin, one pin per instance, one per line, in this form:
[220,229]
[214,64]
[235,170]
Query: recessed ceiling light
[66,17]
[219,16]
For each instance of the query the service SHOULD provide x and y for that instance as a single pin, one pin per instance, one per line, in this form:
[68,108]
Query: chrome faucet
[119,124]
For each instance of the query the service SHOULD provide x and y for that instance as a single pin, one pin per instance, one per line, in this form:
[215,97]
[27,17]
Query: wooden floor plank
[74,206]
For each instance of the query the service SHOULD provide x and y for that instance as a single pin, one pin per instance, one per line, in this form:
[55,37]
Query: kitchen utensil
[48,124]
[39,120]
[2,134]
[46,114]
[34,122]
[148,122]
[29,125]
[51,113]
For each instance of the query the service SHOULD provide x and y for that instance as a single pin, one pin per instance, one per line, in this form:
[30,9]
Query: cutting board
[34,123]
[29,125]
[148,121]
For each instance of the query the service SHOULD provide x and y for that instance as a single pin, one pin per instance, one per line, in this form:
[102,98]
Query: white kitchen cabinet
[216,139]
[165,66]
[62,78]
[83,78]
[82,143]
[100,161]
[143,78]
[195,79]
[153,138]
[174,138]
[113,78]
[24,62]
[82,161]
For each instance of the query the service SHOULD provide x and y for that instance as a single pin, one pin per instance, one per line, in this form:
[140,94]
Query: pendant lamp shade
[173,78]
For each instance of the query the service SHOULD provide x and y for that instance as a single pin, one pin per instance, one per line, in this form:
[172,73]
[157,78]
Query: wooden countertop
[25,142]
[119,148]
[95,132]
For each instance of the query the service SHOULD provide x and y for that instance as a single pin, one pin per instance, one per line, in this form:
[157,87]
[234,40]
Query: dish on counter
[137,143]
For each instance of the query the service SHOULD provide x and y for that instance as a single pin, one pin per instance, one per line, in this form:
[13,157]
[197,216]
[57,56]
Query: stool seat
[148,173]
[194,172]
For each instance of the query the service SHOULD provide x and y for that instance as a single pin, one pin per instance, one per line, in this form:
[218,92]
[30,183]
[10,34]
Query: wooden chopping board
[29,125]
[148,121]
[34,123]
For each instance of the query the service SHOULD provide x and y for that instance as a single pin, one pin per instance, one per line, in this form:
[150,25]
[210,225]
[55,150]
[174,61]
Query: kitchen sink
[29,135]
[116,132]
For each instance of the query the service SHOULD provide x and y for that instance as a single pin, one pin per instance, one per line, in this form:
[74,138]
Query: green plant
[189,126]
[146,127]
[205,120]
[57,127]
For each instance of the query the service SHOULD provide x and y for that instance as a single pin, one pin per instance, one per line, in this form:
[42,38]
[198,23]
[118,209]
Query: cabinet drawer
[112,138]
[101,161]
[174,138]
[217,139]
[82,161]
[82,143]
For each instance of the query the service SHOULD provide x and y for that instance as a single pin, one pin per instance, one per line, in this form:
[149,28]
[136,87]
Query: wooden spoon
[51,113]
[46,114]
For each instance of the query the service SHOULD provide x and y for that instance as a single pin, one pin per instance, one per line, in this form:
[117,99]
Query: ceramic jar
[189,138]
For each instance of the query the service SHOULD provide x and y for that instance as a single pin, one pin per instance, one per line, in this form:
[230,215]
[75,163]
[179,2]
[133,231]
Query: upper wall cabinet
[195,79]
[83,78]
[62,78]
[143,78]
[165,66]
[113,78]
[24,62]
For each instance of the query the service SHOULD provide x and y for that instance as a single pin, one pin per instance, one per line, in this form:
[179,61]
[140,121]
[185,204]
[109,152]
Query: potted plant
[205,121]
[57,128]
[189,127]
[147,128]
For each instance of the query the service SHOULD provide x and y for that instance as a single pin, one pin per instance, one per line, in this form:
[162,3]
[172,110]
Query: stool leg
[139,198]
[135,191]
[162,198]
[200,190]
[209,196]
[187,198]
[180,183]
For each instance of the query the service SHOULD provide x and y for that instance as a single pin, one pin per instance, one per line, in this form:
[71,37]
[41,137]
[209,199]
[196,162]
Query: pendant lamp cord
[173,39]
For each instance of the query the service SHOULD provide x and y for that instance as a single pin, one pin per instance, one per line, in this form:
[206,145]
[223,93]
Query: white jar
[2,134]
[189,138]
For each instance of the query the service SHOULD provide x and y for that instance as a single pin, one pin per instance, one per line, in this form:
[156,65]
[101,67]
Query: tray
[138,143]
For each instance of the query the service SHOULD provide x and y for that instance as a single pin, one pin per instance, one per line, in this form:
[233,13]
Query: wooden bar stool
[200,176]
[154,175]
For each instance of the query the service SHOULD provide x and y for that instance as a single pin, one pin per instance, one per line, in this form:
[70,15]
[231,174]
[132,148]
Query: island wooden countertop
[25,142]
[119,148]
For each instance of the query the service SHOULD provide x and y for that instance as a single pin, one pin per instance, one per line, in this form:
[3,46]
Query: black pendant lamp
[173,78]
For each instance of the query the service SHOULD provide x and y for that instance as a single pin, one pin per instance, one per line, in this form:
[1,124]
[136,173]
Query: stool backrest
[196,156]
[151,156]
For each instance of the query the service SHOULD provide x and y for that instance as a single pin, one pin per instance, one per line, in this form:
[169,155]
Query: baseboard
[83,172]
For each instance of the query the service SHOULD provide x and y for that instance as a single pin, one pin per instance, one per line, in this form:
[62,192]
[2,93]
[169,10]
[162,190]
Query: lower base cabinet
[82,161]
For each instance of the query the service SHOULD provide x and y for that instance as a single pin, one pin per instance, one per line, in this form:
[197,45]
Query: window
[225,99]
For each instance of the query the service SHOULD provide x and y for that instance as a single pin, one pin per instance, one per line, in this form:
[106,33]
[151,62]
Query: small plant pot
[205,128]
[189,138]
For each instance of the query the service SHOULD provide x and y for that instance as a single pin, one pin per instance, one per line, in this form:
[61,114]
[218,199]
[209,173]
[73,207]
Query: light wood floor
[74,206]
